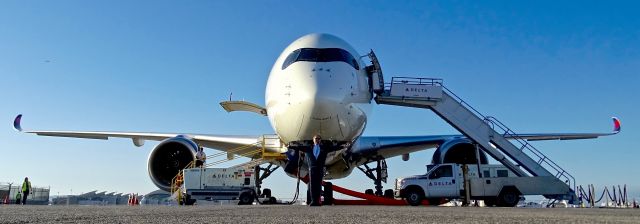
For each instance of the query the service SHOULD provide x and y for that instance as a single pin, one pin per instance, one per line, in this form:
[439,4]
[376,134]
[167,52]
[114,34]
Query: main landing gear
[379,175]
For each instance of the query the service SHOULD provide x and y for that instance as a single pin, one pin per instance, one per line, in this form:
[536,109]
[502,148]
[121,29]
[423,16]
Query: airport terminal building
[92,198]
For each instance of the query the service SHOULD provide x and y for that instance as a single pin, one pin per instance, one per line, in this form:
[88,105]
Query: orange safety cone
[135,199]
[129,200]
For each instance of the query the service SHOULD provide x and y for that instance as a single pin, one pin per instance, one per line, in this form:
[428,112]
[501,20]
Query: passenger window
[503,173]
[486,174]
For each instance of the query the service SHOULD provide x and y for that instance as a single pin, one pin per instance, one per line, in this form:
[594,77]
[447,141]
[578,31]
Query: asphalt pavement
[304,214]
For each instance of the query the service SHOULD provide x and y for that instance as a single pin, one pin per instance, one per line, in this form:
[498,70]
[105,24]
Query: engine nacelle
[461,151]
[168,158]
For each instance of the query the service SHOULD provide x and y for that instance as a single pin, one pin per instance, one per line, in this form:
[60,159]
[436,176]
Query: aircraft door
[374,71]
[442,183]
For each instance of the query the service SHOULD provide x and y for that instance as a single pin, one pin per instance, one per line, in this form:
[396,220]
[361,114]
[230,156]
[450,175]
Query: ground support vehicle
[495,184]
[212,184]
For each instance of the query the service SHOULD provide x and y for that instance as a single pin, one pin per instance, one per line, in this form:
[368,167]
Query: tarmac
[305,214]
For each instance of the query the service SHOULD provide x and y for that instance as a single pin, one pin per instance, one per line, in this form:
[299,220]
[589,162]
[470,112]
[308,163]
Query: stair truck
[495,184]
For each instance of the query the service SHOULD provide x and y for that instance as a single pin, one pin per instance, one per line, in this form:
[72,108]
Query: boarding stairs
[491,135]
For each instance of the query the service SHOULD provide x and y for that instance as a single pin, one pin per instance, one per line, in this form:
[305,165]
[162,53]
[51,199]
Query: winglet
[16,123]
[616,125]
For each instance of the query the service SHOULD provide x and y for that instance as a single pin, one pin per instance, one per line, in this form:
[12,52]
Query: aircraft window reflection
[291,59]
[442,171]
[320,55]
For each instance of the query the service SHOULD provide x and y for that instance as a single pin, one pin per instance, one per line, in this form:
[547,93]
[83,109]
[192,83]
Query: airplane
[319,85]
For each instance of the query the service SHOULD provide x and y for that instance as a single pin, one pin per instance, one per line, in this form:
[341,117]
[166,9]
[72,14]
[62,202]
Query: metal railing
[413,81]
[543,160]
[493,123]
[178,179]
[256,144]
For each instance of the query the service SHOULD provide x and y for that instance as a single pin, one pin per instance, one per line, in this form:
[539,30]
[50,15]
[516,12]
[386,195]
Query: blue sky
[164,66]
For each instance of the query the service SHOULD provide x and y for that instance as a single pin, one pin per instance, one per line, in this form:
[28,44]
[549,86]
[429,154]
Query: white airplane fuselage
[327,97]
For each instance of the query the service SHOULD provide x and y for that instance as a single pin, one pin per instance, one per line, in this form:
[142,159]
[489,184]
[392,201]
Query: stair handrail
[523,142]
[175,187]
[252,152]
[239,148]
[493,120]
[568,177]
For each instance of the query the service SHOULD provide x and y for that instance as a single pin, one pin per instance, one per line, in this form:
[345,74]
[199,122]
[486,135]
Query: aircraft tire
[368,191]
[388,193]
[266,193]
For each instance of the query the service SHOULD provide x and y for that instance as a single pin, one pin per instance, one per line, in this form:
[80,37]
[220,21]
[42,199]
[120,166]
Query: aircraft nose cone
[320,103]
[327,95]
[322,108]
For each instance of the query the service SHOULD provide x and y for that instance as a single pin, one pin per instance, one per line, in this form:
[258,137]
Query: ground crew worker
[18,198]
[201,158]
[26,188]
[179,179]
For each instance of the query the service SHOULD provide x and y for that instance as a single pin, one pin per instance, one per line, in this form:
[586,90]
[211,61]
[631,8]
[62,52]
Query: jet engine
[461,151]
[168,158]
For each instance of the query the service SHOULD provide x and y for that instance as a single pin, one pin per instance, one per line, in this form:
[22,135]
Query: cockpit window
[320,55]
[291,59]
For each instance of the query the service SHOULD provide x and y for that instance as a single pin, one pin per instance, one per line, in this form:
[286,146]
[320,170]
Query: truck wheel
[508,198]
[414,197]
[246,198]
[368,191]
[388,193]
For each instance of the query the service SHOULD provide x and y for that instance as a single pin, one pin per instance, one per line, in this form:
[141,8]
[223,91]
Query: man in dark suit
[316,156]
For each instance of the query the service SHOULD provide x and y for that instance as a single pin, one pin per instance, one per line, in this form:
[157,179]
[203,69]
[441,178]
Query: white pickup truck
[497,185]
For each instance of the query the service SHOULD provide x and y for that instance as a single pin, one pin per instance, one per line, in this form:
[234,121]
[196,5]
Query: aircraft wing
[218,142]
[366,146]
[570,136]
[391,146]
